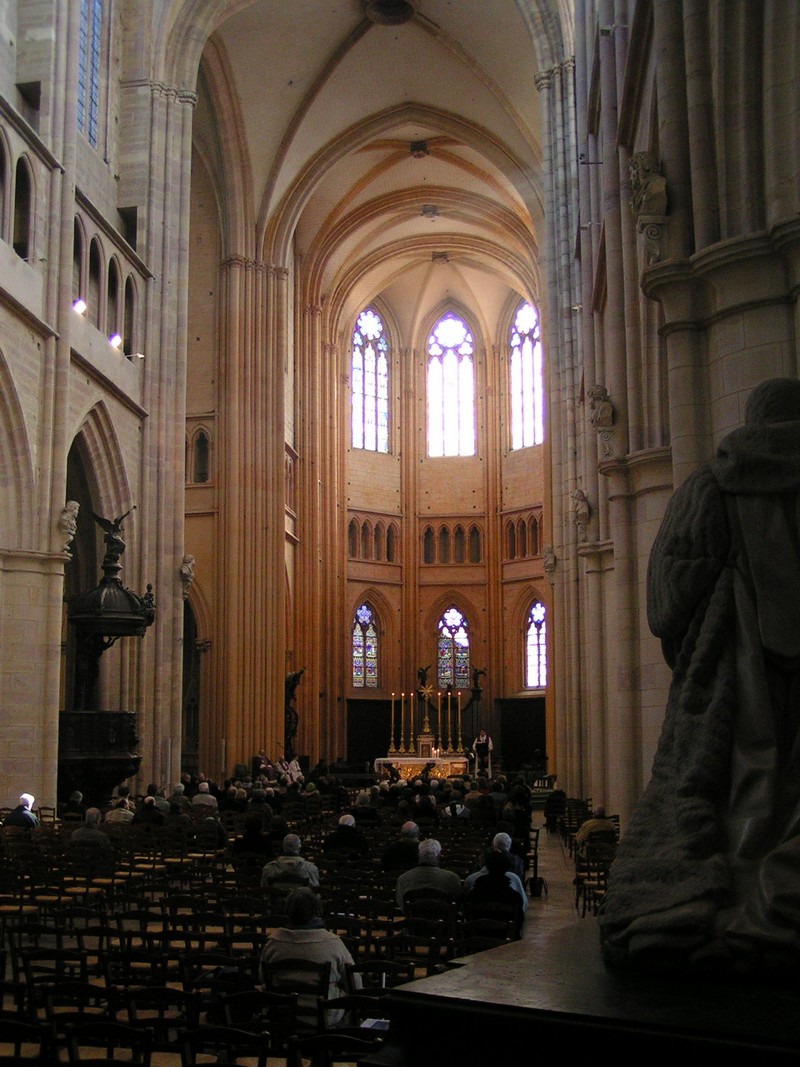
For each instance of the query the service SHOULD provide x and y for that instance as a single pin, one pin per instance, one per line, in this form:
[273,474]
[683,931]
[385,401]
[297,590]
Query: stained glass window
[89,46]
[369,380]
[536,648]
[365,649]
[451,389]
[453,650]
[527,389]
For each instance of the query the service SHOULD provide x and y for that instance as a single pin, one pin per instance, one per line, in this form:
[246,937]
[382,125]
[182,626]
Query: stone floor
[555,909]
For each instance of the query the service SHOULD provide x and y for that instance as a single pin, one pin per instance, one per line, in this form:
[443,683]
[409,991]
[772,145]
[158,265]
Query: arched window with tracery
[451,389]
[369,380]
[365,648]
[452,650]
[527,382]
[536,647]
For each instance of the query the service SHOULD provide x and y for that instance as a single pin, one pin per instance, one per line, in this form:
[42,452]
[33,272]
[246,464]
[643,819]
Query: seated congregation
[282,909]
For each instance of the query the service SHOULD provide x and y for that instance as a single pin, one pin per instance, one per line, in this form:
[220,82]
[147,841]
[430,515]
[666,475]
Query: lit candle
[391,735]
[439,715]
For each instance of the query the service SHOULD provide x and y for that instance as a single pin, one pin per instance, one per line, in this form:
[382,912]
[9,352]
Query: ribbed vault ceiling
[310,111]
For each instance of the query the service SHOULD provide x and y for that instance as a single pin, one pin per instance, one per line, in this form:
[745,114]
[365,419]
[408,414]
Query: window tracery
[527,383]
[451,389]
[369,383]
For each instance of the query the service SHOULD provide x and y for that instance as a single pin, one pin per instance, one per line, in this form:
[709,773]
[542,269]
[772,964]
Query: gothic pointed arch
[5,182]
[23,209]
[451,383]
[451,600]
[16,467]
[226,156]
[381,619]
[104,458]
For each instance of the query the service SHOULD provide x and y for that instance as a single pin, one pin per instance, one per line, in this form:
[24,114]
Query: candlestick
[439,717]
[460,744]
[402,723]
[391,734]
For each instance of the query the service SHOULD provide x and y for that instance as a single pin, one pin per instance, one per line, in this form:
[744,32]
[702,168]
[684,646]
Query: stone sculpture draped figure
[708,873]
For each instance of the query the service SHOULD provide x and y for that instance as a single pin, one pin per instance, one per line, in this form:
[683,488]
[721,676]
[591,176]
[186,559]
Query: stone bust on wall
[648,186]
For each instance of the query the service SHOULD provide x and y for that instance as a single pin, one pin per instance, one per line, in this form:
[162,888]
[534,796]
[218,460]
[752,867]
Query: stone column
[157,693]
[563,348]
[250,647]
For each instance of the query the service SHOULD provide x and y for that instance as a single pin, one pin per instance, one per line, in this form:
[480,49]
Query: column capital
[243,263]
[170,92]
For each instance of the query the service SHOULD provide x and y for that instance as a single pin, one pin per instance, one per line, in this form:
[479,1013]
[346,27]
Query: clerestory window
[369,378]
[451,389]
[527,388]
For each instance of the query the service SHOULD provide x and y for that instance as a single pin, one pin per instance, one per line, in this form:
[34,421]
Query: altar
[409,766]
[430,733]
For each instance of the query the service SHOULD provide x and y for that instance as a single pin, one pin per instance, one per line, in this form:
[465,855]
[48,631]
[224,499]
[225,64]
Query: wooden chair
[257,1011]
[25,1043]
[357,1014]
[69,1004]
[213,975]
[309,980]
[377,975]
[227,1044]
[168,1013]
[324,1050]
[109,1042]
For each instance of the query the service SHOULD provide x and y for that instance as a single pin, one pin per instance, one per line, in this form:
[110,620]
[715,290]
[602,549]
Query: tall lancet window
[89,49]
[536,648]
[369,377]
[527,390]
[365,649]
[452,650]
[451,389]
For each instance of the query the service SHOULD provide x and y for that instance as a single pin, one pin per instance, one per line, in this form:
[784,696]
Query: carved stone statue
[648,186]
[187,574]
[601,407]
[476,677]
[582,511]
[549,562]
[114,543]
[707,874]
[68,523]
[291,718]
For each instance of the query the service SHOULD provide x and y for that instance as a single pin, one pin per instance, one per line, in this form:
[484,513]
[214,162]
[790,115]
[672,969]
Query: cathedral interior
[387,328]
